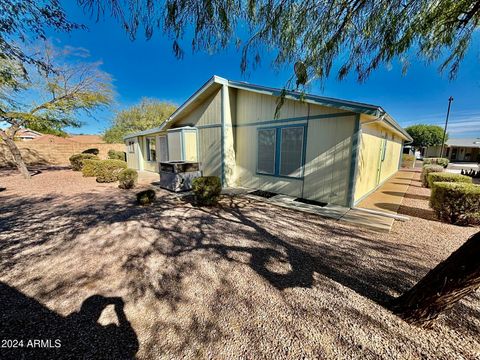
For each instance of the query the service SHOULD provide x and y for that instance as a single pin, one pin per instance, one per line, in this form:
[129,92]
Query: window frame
[274,152]
[160,149]
[131,146]
[278,143]
[147,145]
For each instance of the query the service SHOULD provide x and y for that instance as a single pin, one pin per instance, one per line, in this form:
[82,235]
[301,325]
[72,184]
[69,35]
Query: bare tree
[59,92]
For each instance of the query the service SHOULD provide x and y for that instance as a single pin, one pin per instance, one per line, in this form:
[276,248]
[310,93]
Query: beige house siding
[328,148]
[372,171]
[328,160]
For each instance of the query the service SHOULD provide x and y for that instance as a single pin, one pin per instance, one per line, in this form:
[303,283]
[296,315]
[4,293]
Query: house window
[151,150]
[162,141]
[131,147]
[291,151]
[266,151]
[281,151]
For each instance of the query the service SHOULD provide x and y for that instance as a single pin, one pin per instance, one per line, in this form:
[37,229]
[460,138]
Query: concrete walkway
[389,196]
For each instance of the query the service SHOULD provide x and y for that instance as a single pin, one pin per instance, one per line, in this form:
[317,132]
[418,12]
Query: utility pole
[450,99]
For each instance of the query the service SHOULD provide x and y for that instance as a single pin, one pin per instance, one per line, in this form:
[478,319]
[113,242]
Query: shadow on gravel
[31,330]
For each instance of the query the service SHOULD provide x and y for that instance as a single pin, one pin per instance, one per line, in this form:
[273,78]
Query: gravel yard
[79,261]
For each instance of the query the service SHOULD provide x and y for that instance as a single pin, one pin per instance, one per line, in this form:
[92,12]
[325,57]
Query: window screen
[163,148]
[291,149]
[151,151]
[266,151]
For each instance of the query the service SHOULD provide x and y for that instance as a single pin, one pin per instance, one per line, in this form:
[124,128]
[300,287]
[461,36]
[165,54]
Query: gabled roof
[215,82]
[473,143]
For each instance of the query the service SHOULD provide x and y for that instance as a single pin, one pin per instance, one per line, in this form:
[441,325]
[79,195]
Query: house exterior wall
[329,157]
[327,154]
[207,118]
[371,170]
[133,158]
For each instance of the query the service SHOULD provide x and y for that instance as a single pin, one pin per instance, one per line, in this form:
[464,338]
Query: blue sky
[143,68]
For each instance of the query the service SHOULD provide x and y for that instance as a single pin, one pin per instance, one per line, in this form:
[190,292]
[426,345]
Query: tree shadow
[407,195]
[42,333]
[285,248]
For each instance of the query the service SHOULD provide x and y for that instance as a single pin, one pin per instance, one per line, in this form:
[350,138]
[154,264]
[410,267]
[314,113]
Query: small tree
[56,94]
[426,135]
[149,113]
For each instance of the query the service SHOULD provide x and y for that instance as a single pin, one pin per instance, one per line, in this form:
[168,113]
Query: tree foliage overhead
[426,135]
[355,35]
[148,114]
[24,21]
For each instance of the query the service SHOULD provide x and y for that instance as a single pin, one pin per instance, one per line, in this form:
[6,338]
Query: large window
[151,149]
[280,151]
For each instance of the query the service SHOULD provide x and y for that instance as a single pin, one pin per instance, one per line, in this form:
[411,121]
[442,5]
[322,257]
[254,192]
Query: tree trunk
[442,287]
[17,156]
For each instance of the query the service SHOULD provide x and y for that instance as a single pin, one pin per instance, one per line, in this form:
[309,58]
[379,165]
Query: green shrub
[89,168]
[93,151]
[427,169]
[447,177]
[77,160]
[456,203]
[146,197]
[108,170]
[207,189]
[127,178]
[408,160]
[116,155]
[436,161]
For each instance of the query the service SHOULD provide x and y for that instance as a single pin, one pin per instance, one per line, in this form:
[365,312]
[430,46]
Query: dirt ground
[81,263]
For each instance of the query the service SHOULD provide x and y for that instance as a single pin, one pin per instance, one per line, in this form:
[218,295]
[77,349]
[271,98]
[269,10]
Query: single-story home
[457,150]
[317,148]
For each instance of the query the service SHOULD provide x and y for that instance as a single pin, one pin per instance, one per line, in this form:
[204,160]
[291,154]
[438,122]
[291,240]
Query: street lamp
[450,99]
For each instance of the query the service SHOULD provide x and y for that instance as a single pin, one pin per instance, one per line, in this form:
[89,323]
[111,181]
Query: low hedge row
[77,160]
[117,155]
[108,170]
[456,203]
[436,161]
[408,160]
[447,177]
[89,168]
[427,169]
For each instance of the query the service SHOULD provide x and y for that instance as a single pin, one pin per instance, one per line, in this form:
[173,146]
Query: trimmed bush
[77,160]
[89,168]
[108,170]
[447,177]
[436,161]
[117,155]
[146,197]
[127,178]
[93,151]
[408,161]
[456,203]
[207,189]
[427,169]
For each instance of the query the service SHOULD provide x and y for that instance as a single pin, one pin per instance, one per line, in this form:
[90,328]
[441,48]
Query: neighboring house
[318,148]
[27,134]
[462,150]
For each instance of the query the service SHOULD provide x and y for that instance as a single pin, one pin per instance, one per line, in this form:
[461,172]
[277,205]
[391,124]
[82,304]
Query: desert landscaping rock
[244,280]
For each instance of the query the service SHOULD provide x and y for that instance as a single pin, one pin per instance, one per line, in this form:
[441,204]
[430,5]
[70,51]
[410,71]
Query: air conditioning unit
[178,175]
